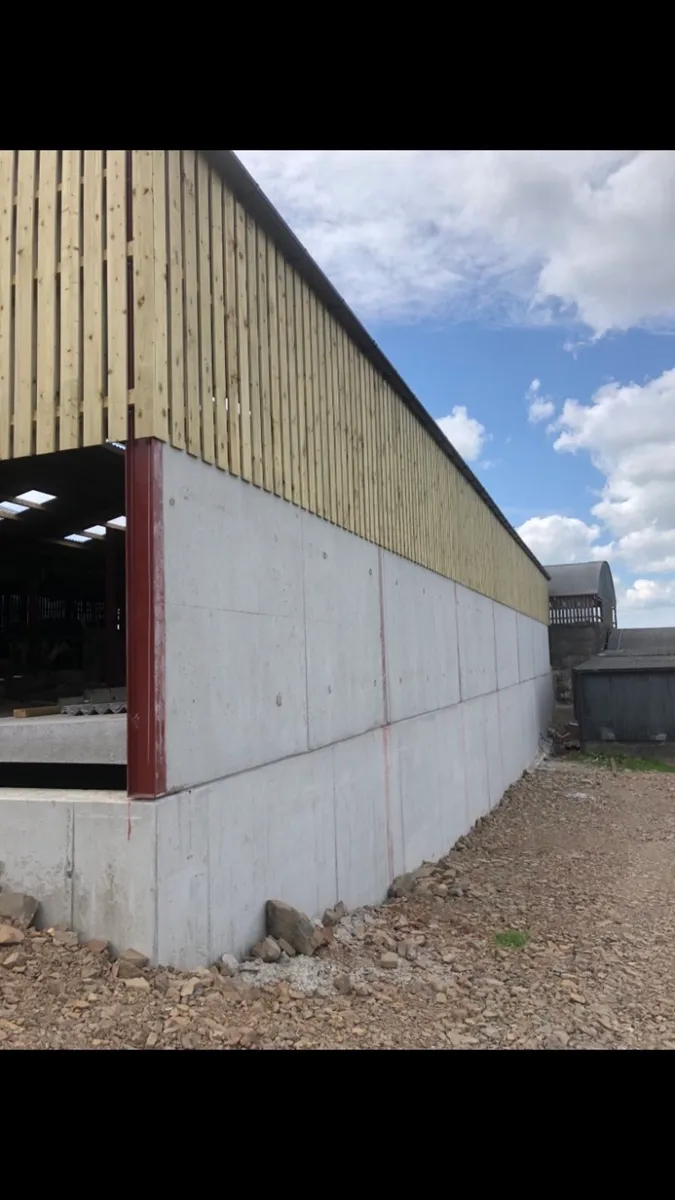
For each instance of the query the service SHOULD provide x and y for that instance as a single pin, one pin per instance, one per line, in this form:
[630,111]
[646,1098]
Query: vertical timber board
[232,332]
[7,185]
[264,343]
[346,422]
[203,203]
[275,381]
[365,442]
[24,328]
[330,480]
[218,321]
[301,383]
[337,421]
[254,349]
[287,467]
[176,328]
[293,386]
[161,336]
[312,495]
[352,417]
[191,314]
[242,342]
[117,295]
[47,361]
[93,267]
[323,411]
[71,373]
[372,401]
[143,292]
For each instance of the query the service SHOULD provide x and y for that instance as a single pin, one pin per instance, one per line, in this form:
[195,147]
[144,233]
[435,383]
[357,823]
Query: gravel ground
[577,863]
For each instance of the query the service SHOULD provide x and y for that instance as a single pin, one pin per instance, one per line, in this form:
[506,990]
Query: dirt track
[577,863]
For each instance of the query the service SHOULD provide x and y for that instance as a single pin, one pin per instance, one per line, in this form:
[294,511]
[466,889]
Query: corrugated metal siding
[625,706]
[153,285]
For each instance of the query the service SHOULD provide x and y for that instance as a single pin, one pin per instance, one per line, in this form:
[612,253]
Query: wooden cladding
[138,278]
[64,299]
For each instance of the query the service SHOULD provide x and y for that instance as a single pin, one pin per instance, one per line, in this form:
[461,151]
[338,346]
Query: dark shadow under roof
[234,174]
[582,579]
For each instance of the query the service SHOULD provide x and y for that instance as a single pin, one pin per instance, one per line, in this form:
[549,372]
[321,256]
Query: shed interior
[62,612]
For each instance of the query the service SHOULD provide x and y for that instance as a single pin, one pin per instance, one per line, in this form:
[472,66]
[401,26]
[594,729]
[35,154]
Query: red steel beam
[146,627]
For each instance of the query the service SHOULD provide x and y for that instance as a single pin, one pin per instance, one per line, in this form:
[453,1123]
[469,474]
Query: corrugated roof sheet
[582,579]
[233,172]
[627,662]
[643,641]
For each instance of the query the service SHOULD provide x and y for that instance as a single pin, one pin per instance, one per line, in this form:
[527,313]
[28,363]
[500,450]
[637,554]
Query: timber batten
[164,280]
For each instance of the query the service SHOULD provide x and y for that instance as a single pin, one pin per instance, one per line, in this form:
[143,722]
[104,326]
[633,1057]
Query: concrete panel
[271,836]
[114,892]
[228,545]
[420,626]
[36,848]
[511,730]
[235,692]
[416,748]
[342,615]
[474,715]
[525,647]
[432,785]
[235,653]
[182,880]
[542,657]
[493,749]
[368,828]
[477,655]
[544,685]
[450,746]
[506,645]
[62,739]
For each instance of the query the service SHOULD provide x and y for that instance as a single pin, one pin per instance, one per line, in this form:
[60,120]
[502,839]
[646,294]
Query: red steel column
[146,755]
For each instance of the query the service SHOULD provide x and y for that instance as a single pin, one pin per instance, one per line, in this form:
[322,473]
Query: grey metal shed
[626,700]
[643,641]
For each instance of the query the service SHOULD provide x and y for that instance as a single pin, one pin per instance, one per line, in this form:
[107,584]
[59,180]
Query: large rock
[10,935]
[268,950]
[293,926]
[19,907]
[333,916]
[403,885]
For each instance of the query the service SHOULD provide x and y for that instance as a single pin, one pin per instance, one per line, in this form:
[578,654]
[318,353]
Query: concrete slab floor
[61,739]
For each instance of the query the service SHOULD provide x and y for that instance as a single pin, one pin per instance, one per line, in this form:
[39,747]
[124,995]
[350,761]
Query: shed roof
[582,579]
[643,641]
[611,662]
[234,174]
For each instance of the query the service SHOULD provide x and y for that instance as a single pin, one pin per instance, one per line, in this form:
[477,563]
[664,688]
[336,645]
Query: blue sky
[528,298]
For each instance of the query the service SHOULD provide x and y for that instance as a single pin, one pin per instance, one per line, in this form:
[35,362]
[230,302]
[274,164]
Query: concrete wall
[335,714]
[570,645]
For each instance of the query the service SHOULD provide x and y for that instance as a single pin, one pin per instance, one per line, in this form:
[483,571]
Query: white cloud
[648,593]
[524,234]
[556,539]
[467,434]
[629,433]
[540,408]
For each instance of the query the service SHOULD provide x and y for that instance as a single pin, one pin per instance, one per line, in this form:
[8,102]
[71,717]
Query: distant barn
[582,616]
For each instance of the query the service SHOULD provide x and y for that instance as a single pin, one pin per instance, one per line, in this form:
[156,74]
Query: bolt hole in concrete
[63,620]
